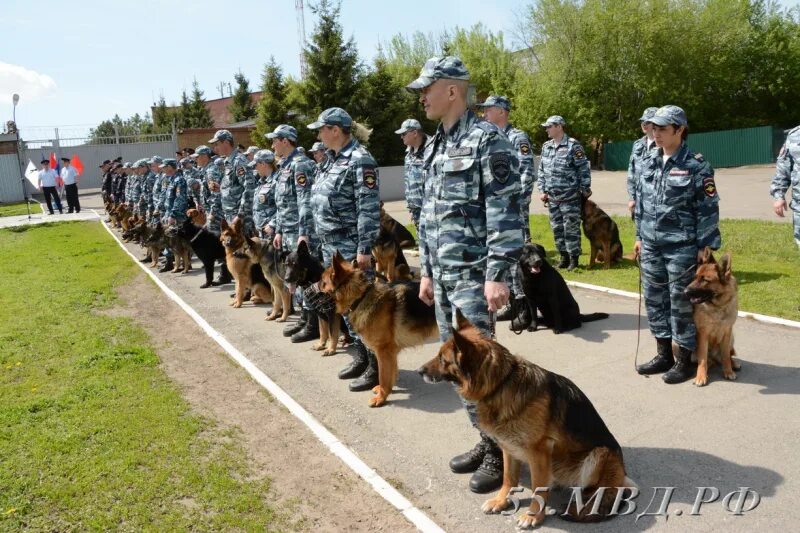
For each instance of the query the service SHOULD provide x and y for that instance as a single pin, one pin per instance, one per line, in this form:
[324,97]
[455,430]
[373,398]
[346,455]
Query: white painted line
[742,314]
[338,448]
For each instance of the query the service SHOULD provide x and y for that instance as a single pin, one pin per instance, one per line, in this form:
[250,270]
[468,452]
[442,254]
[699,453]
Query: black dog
[207,247]
[547,291]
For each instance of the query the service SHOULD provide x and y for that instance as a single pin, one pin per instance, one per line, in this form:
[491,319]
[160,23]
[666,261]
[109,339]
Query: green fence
[729,148]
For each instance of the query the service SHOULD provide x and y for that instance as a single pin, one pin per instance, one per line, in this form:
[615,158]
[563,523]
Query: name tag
[562,148]
[676,172]
[459,151]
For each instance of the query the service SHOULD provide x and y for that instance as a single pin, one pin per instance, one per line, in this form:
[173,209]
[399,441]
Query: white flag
[32,174]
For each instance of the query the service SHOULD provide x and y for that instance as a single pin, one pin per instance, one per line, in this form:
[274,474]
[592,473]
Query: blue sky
[102,58]
[97,58]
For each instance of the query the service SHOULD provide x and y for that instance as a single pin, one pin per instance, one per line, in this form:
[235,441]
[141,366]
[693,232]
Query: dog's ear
[223,224]
[250,242]
[237,224]
[302,248]
[338,265]
[724,267]
[461,321]
[464,354]
[540,250]
[707,257]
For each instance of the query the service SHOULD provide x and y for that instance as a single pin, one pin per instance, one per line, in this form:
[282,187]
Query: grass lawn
[766,263]
[10,210]
[93,435]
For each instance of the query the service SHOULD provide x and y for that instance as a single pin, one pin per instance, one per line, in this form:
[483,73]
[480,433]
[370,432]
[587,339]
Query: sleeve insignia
[369,178]
[240,171]
[579,154]
[525,148]
[709,187]
[301,179]
[500,165]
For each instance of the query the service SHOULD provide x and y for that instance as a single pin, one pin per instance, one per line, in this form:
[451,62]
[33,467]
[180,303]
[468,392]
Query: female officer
[264,198]
[346,207]
[677,216]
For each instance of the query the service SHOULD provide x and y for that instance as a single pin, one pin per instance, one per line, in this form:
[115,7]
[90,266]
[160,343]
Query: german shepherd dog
[301,270]
[155,242]
[547,292]
[132,233]
[400,232]
[206,246]
[196,216]
[120,215]
[180,247]
[538,417]
[390,262]
[246,273]
[603,235]
[388,318]
[713,294]
[263,253]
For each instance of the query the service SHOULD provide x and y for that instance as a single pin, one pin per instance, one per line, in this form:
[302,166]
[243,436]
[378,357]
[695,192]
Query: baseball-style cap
[203,150]
[408,125]
[127,164]
[284,131]
[221,135]
[169,162]
[104,163]
[648,114]
[669,114]
[251,150]
[65,159]
[438,68]
[496,101]
[140,163]
[155,160]
[555,119]
[262,156]
[317,146]
[334,116]
[186,161]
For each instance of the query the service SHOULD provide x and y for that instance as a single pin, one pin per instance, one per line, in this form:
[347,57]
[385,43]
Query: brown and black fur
[120,215]
[301,270]
[271,260]
[713,294]
[537,417]
[390,262]
[196,216]
[388,318]
[180,248]
[245,272]
[400,232]
[156,241]
[603,235]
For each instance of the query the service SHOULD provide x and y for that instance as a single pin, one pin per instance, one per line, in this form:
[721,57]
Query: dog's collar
[197,235]
[359,299]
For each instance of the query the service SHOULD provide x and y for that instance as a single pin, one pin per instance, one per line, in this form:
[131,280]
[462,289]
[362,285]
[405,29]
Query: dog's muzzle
[321,302]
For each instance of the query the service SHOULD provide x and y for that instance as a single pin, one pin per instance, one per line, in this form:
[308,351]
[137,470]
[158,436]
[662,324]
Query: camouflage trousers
[666,271]
[525,215]
[565,220]
[466,295]
[796,217]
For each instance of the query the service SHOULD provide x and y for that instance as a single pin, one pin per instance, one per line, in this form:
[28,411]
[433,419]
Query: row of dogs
[536,416]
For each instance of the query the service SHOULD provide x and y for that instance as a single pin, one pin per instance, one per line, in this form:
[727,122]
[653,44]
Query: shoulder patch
[699,157]
[301,179]
[486,126]
[525,147]
[709,187]
[500,165]
[240,171]
[783,151]
[370,180]
[579,153]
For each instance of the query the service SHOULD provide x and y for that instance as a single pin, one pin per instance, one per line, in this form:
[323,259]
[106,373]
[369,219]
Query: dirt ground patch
[320,493]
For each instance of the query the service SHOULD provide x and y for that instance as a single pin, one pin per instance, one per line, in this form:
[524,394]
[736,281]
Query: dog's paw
[281,319]
[528,519]
[317,346]
[329,352]
[736,364]
[495,505]
[701,381]
[377,400]
[730,375]
[256,300]
[236,304]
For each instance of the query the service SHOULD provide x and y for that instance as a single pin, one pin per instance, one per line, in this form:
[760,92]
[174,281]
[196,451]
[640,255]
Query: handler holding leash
[787,173]
[677,216]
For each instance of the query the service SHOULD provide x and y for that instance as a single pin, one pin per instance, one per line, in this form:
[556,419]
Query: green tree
[162,116]
[271,109]
[183,114]
[241,107]
[198,114]
[129,130]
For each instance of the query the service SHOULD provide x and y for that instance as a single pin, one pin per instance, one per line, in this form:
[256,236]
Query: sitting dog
[206,246]
[390,262]
[388,318]
[603,235]
[547,292]
[713,294]
[197,217]
[271,261]
[536,417]
[246,273]
[400,232]
[180,247]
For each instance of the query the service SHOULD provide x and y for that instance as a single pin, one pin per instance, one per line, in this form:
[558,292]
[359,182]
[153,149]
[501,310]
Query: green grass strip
[10,210]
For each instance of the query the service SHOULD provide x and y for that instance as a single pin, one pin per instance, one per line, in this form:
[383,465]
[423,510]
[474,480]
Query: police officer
[177,197]
[237,185]
[193,183]
[641,151]
[317,153]
[787,173]
[156,191]
[293,220]
[470,231]
[121,182]
[264,206]
[677,216]
[202,158]
[134,194]
[414,138]
[346,204]
[210,174]
[105,188]
[564,177]
[250,153]
[168,168]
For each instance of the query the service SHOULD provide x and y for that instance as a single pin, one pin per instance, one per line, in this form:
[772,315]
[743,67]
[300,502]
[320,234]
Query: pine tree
[271,109]
[241,107]
[162,116]
[184,114]
[200,116]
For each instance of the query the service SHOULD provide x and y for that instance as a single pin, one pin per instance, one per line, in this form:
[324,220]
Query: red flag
[57,167]
[77,164]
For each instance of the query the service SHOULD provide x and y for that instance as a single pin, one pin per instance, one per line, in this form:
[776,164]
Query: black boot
[310,330]
[564,260]
[470,461]
[291,329]
[146,259]
[369,378]
[168,265]
[504,313]
[359,364]
[489,475]
[683,369]
[523,317]
[224,276]
[573,262]
[662,362]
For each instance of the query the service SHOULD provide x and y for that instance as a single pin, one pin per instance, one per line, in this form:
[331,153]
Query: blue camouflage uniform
[177,198]
[470,230]
[237,185]
[193,183]
[412,171]
[677,215]
[264,206]
[214,173]
[148,181]
[641,150]
[155,191]
[564,175]
[787,174]
[134,194]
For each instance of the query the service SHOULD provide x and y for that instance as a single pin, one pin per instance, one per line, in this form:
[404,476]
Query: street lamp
[15,100]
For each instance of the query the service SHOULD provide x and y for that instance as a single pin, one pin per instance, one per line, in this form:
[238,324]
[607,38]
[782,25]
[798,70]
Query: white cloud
[29,84]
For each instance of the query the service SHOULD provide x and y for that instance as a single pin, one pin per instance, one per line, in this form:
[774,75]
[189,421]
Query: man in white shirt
[47,183]
[70,178]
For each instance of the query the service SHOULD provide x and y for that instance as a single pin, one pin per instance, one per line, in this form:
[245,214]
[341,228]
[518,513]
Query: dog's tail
[591,317]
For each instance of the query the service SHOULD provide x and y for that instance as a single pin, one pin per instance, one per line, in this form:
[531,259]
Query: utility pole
[301,37]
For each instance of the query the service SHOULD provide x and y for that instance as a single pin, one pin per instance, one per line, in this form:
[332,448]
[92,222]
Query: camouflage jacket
[677,201]
[787,170]
[414,179]
[163,190]
[294,214]
[264,206]
[134,192]
[639,153]
[564,170]
[346,199]
[237,188]
[470,224]
[146,199]
[177,197]
[527,170]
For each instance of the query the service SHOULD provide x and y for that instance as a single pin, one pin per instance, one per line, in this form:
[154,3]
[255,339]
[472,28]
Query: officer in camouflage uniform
[214,175]
[677,216]
[564,177]
[121,183]
[237,184]
[294,220]
[193,182]
[155,192]
[250,153]
[177,197]
[470,230]
[787,173]
[134,193]
[415,139]
[165,179]
[202,157]
[641,151]
[130,183]
[346,204]
[264,206]
[317,153]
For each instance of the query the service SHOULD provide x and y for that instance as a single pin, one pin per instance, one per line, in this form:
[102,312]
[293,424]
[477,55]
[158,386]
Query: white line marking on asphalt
[338,448]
